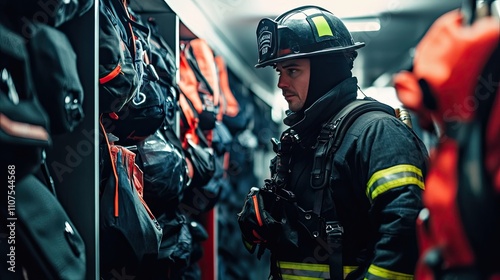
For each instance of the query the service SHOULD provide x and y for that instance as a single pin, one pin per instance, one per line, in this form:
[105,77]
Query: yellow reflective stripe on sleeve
[394,184]
[383,273]
[322,26]
[393,177]
[392,170]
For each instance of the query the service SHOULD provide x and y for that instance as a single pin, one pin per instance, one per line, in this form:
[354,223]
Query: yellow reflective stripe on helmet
[383,273]
[393,177]
[322,26]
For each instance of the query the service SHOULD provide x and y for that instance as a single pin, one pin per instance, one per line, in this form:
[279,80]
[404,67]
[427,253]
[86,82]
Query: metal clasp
[334,228]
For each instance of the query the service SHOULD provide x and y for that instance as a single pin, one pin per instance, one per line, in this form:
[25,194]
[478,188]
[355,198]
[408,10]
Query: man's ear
[351,56]
[354,54]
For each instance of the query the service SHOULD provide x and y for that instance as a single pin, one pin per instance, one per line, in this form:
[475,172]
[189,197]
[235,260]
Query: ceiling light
[362,25]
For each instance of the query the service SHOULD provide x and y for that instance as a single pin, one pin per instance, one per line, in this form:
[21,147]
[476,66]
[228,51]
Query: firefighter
[369,206]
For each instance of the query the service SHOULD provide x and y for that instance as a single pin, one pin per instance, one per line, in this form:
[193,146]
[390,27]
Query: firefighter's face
[294,81]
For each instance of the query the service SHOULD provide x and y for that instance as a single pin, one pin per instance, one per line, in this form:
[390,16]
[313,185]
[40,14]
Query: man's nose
[282,82]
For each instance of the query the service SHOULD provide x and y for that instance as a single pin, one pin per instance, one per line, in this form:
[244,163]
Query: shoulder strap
[333,132]
[329,140]
[194,66]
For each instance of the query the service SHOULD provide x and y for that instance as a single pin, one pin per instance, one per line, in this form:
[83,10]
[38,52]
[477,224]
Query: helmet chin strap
[362,92]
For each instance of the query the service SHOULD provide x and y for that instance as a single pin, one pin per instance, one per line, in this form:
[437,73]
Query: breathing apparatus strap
[329,140]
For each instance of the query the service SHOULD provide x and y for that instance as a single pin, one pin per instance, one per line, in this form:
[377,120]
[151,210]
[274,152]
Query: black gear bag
[24,124]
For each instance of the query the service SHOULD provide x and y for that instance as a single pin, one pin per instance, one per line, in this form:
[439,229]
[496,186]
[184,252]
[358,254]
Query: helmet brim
[339,50]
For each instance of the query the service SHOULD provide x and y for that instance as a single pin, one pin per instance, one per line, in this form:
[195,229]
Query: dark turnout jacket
[374,191]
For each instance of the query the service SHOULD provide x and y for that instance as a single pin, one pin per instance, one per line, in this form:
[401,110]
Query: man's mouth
[288,96]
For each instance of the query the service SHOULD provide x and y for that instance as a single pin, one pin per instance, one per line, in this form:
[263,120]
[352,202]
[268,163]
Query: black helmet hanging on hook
[302,32]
